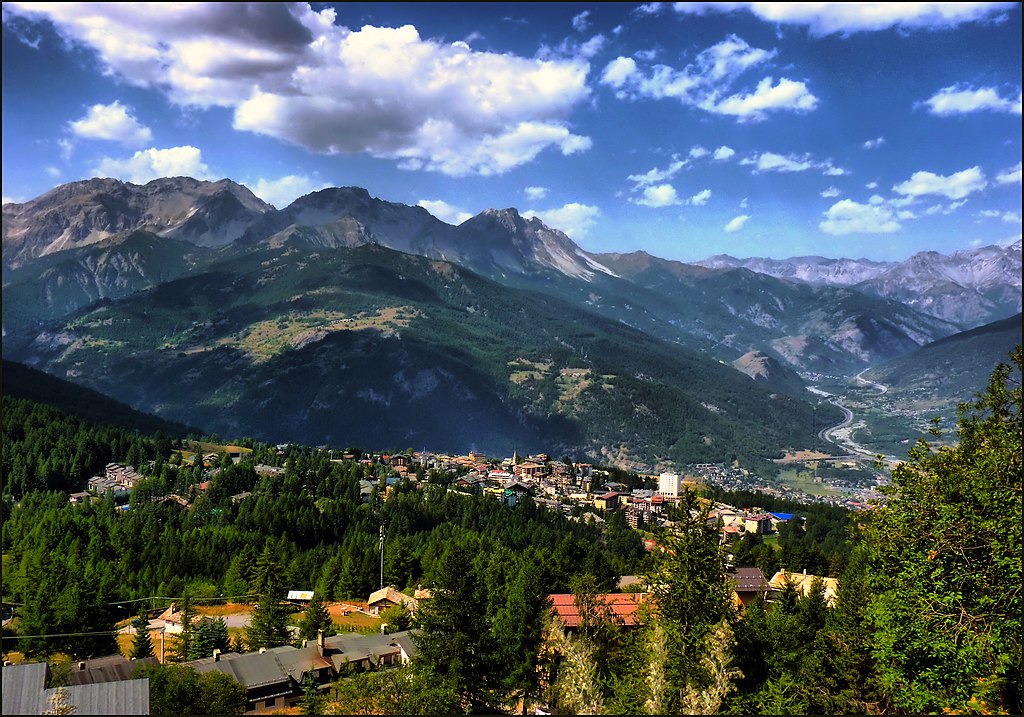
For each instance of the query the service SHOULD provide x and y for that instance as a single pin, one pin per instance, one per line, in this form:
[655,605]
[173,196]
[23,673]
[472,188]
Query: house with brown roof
[382,599]
[748,585]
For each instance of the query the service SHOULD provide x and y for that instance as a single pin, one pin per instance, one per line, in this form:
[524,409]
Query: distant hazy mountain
[810,328]
[82,213]
[968,288]
[936,377]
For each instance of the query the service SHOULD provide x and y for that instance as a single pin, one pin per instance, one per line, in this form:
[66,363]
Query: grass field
[804,481]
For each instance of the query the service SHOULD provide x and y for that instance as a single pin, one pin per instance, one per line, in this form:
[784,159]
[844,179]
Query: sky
[686,130]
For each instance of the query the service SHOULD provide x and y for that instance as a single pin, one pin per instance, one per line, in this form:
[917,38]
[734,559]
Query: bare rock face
[79,214]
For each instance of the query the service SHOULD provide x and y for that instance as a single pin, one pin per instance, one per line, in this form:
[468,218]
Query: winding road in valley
[827,433]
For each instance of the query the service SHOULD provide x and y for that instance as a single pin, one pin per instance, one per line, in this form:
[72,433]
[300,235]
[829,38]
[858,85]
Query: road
[881,388]
[826,434]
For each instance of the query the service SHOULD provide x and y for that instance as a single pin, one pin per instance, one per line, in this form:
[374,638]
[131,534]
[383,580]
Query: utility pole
[382,554]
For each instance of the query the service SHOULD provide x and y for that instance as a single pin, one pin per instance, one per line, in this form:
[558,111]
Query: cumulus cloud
[284,190]
[619,71]
[700,198]
[1010,176]
[1008,217]
[874,143]
[956,100]
[955,186]
[736,223]
[535,192]
[659,195]
[149,164]
[849,217]
[830,193]
[723,153]
[53,172]
[827,18]
[657,176]
[288,71]
[573,219]
[707,82]
[773,162]
[786,95]
[113,122]
[444,211]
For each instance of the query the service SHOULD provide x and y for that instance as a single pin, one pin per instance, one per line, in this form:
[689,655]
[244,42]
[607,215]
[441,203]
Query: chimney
[320,641]
[262,650]
[805,571]
[216,655]
[81,665]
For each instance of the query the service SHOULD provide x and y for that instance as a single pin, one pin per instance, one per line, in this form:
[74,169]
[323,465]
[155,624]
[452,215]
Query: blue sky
[685,130]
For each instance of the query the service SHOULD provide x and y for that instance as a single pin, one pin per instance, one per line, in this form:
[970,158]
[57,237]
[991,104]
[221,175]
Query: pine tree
[316,619]
[142,646]
[269,624]
[945,564]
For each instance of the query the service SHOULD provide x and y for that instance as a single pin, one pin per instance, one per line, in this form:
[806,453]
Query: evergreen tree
[693,595]
[269,624]
[316,619]
[142,646]
[209,634]
[944,560]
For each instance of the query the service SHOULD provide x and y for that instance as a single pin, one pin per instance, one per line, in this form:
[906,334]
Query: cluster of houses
[116,478]
[276,678]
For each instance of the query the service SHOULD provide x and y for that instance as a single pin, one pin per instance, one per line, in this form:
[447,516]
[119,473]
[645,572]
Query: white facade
[669,485]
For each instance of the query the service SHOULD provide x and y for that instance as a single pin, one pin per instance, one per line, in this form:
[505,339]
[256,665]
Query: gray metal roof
[127,697]
[23,688]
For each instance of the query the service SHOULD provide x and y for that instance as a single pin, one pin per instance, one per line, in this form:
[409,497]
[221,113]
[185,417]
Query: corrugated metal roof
[128,697]
[108,669]
[23,689]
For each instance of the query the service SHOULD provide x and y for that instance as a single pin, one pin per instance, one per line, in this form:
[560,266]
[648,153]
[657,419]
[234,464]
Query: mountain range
[347,318]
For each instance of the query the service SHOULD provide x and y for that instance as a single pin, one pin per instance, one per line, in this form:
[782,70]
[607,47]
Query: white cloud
[113,122]
[9,200]
[827,18]
[535,192]
[955,100]
[955,186]
[67,148]
[723,153]
[284,190]
[944,209]
[736,223]
[849,217]
[872,185]
[661,195]
[619,71]
[696,152]
[830,192]
[833,171]
[289,72]
[744,203]
[1010,176]
[700,198]
[710,77]
[592,46]
[444,211]
[786,95]
[573,219]
[657,176]
[874,143]
[646,55]
[580,22]
[148,164]
[53,171]
[1008,217]
[771,162]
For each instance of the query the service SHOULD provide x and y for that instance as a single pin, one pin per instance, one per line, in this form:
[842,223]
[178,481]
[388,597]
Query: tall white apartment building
[669,485]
